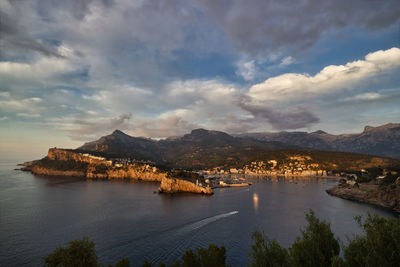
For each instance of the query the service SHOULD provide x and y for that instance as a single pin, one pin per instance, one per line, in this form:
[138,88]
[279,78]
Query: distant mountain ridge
[381,141]
[195,149]
[203,149]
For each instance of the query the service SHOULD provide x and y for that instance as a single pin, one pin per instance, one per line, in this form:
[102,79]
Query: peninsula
[64,162]
[382,190]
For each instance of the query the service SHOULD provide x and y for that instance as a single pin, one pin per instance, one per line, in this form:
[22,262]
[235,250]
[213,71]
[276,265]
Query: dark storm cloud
[278,118]
[258,26]
[76,8]
[13,37]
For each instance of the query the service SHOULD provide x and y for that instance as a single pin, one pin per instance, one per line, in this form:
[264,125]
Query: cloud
[287,61]
[246,69]
[216,104]
[14,38]
[25,106]
[165,126]
[28,115]
[162,127]
[259,27]
[281,119]
[85,130]
[361,97]
[42,72]
[331,79]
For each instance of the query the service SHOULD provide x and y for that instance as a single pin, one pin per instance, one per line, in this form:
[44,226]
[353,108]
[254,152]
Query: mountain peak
[204,132]
[394,126]
[199,131]
[368,128]
[118,132]
[319,132]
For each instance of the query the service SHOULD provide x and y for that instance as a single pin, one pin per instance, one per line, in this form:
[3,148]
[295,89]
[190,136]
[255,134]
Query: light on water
[128,220]
[255,201]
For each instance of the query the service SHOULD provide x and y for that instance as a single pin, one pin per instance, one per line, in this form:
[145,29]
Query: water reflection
[255,201]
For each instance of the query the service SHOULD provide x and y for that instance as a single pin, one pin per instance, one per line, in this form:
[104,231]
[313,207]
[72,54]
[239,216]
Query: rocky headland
[174,185]
[64,162]
[386,196]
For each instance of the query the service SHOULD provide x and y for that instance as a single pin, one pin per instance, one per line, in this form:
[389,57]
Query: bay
[127,219]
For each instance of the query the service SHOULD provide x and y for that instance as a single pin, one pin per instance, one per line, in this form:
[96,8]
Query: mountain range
[207,149]
[199,149]
[381,141]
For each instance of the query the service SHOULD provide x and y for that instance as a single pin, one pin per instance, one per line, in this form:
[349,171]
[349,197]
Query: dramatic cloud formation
[258,26]
[13,36]
[294,86]
[280,119]
[76,70]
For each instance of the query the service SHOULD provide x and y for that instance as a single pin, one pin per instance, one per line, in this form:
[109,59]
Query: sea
[129,219]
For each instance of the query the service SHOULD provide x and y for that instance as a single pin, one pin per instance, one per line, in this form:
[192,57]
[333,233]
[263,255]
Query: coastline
[387,197]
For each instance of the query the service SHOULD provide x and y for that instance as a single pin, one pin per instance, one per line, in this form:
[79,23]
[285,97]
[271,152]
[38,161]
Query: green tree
[316,246]
[214,256]
[124,262]
[380,246]
[147,264]
[267,253]
[78,253]
[338,262]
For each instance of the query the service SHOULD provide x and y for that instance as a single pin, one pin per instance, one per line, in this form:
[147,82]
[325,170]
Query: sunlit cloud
[84,68]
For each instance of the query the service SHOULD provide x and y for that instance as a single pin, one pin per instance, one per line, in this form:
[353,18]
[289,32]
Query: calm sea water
[37,214]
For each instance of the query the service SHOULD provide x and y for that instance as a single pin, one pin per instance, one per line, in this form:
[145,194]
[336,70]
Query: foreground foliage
[316,246]
[380,246]
[79,253]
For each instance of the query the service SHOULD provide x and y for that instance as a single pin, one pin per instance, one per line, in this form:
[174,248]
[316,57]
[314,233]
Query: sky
[72,71]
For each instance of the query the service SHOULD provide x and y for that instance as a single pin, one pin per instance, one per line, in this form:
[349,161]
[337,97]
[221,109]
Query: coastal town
[292,166]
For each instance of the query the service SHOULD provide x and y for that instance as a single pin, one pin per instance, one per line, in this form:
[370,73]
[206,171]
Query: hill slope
[382,141]
[203,149]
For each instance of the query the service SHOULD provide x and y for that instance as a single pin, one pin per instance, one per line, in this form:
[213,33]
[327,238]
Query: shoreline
[386,197]
[250,176]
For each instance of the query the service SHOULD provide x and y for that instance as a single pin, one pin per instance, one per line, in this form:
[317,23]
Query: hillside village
[292,166]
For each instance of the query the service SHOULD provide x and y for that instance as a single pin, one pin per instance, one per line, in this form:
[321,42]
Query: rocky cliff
[42,170]
[387,196]
[62,162]
[66,155]
[140,173]
[173,185]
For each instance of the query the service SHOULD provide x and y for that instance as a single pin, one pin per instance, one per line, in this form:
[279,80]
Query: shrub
[79,253]
[316,246]
[380,246]
[267,252]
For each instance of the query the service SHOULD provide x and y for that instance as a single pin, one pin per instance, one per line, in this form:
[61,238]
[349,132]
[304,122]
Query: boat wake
[204,222]
[181,246]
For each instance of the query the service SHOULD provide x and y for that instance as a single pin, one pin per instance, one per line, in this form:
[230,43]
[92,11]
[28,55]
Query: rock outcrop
[174,185]
[40,170]
[129,172]
[62,162]
[65,154]
[386,196]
